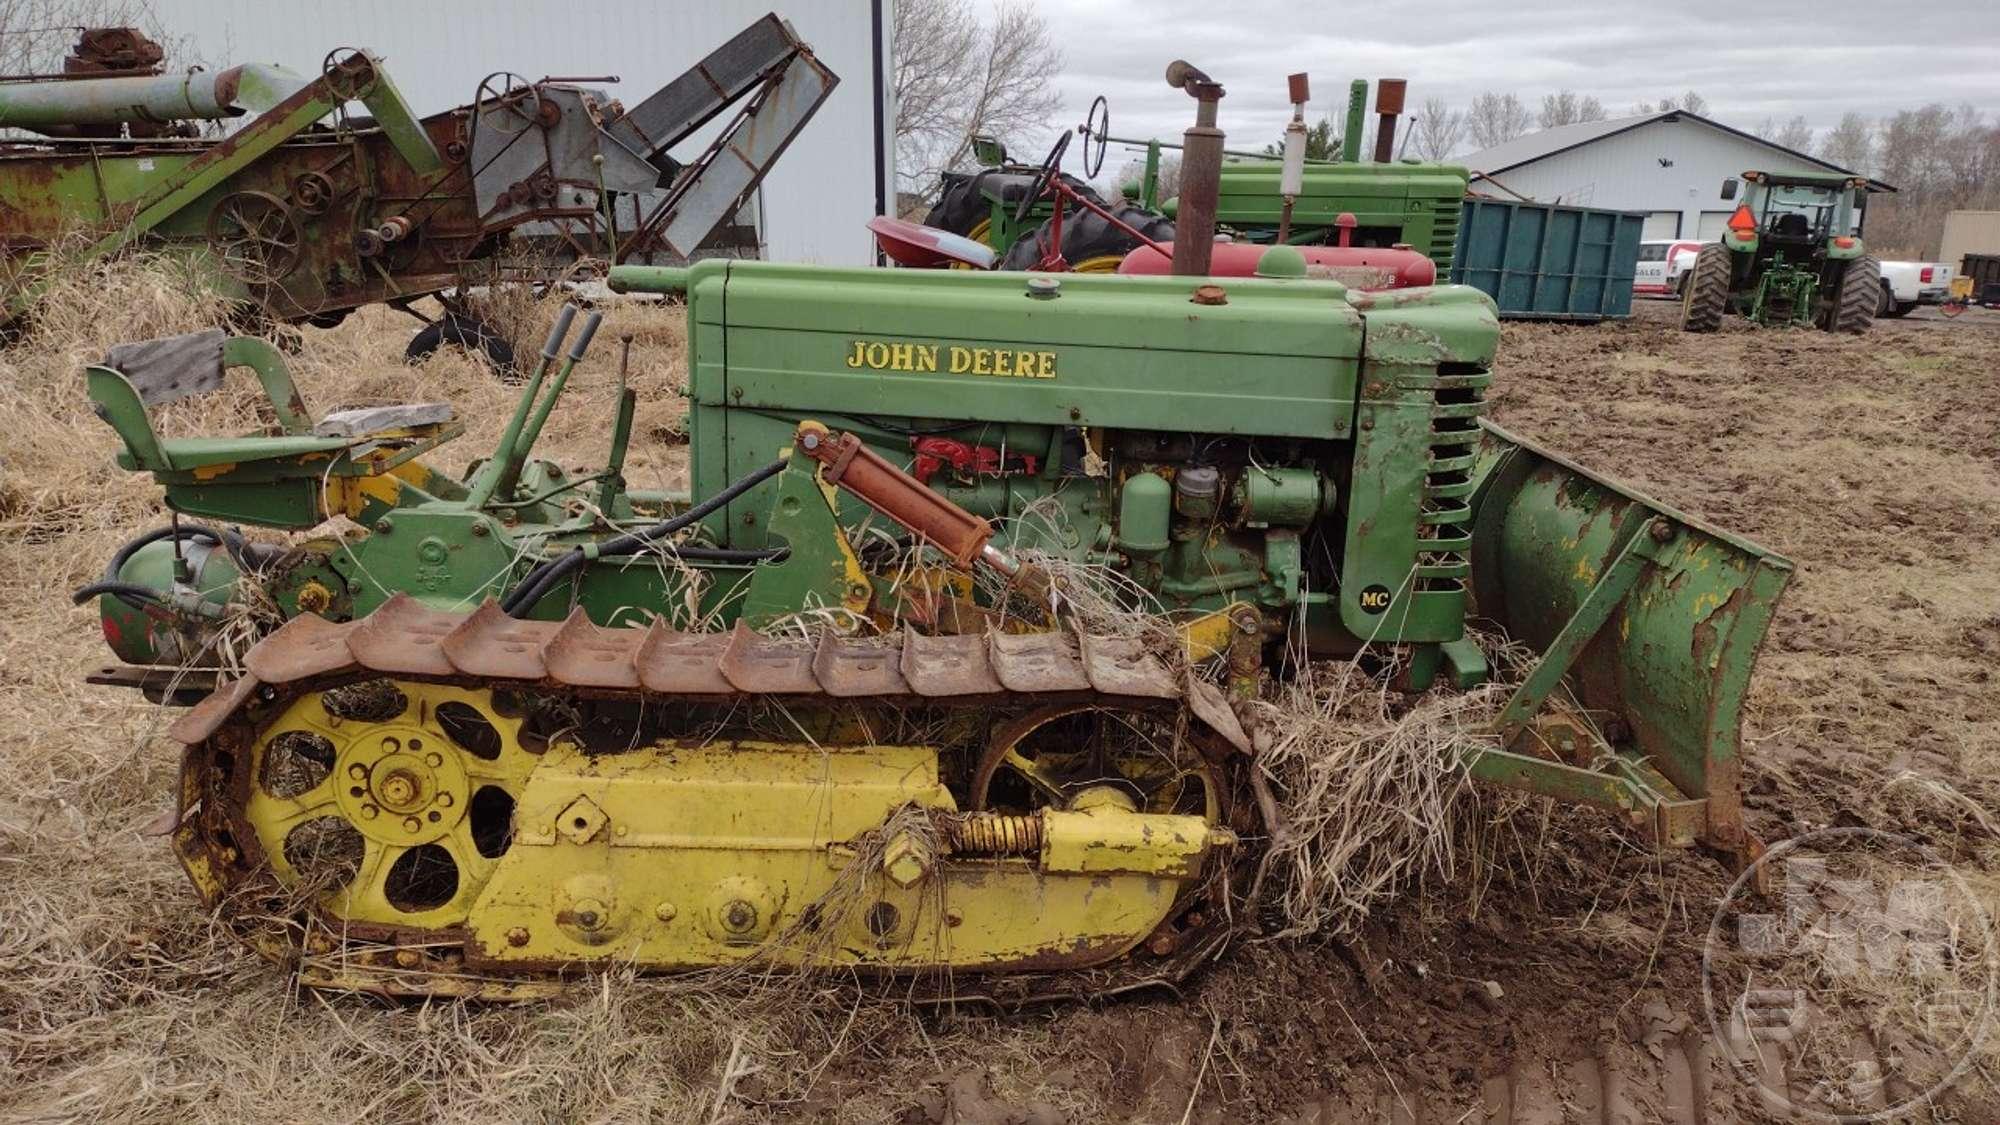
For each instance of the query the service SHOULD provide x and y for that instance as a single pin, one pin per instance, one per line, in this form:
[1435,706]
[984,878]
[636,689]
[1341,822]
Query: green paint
[1357,116]
[1669,658]
[814,576]
[1417,204]
[1784,295]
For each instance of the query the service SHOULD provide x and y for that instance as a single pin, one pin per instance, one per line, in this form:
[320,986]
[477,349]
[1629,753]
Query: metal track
[999,676]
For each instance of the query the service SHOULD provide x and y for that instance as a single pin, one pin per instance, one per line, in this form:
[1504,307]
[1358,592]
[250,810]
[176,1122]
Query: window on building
[1662,224]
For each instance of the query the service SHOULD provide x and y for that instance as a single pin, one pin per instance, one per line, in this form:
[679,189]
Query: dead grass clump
[1370,785]
[1095,597]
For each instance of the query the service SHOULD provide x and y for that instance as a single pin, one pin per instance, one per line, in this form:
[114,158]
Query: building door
[1661,225]
[1713,223]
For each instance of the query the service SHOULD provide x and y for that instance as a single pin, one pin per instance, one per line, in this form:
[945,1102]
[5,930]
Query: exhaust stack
[1389,106]
[1201,172]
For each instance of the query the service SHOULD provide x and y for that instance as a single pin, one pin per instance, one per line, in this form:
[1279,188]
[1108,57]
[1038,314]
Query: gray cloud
[1816,58]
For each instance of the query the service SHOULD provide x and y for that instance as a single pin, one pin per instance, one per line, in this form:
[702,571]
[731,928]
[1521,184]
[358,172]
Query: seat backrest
[1791,224]
[148,373]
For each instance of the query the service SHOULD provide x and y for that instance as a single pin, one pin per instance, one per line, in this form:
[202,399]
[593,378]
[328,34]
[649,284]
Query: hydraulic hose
[130,593]
[248,557]
[539,581]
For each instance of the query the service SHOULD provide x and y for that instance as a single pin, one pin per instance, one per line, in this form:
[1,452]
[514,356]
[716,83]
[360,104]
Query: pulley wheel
[254,238]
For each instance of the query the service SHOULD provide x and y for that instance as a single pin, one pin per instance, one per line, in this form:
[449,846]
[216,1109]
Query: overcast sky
[1750,59]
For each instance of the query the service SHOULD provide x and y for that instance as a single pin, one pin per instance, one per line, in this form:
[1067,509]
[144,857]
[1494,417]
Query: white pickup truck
[1905,285]
[1663,262]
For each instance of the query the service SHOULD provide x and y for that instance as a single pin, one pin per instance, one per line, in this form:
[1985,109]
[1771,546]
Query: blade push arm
[962,537]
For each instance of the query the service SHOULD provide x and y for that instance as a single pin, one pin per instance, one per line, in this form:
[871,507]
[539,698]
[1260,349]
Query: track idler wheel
[386,804]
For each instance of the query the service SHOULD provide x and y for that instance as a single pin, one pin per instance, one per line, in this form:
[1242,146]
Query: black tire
[1890,306]
[1707,287]
[1856,296]
[245,318]
[474,336]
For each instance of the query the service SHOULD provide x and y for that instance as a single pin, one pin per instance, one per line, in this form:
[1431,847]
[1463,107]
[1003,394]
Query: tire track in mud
[1666,1076]
[1674,1073]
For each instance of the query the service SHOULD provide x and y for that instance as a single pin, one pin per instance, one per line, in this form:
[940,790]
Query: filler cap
[1281,261]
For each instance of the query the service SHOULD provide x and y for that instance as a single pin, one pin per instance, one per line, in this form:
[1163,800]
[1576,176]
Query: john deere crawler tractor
[1787,257]
[835,705]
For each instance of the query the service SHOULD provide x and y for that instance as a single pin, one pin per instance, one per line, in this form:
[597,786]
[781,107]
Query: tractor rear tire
[1707,288]
[1856,296]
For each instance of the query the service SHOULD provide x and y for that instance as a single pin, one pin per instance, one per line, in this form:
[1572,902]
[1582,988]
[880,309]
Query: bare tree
[1850,144]
[1914,146]
[1566,107]
[1132,178]
[1689,101]
[1437,129]
[958,78]
[36,34]
[1796,135]
[932,46]
[1972,155]
[1939,159]
[1496,119]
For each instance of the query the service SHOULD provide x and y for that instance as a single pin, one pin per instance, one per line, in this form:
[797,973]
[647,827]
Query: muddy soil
[1557,980]
[1566,985]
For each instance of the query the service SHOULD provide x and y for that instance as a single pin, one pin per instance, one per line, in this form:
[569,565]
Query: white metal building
[836,175]
[1670,165]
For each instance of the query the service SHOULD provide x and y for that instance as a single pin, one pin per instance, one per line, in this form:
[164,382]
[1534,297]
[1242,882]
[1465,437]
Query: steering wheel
[1051,168]
[1096,124]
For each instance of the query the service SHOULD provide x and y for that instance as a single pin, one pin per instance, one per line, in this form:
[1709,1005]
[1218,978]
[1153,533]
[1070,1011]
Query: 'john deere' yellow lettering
[878,355]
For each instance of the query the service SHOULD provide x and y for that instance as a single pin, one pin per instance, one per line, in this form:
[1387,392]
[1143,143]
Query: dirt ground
[1557,979]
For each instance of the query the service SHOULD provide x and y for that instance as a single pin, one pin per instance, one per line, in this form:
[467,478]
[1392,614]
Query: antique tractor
[1787,257]
[1402,206]
[839,704]
[302,213]
[1038,218]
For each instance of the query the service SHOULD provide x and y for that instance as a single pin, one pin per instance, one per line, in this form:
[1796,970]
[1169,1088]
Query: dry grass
[1369,781]
[119,1001]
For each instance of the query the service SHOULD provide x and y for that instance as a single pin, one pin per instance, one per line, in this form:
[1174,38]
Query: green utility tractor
[1787,258]
[834,704]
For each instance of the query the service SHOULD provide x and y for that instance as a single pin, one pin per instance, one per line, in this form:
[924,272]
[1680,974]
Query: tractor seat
[383,421]
[136,377]
[1791,224]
